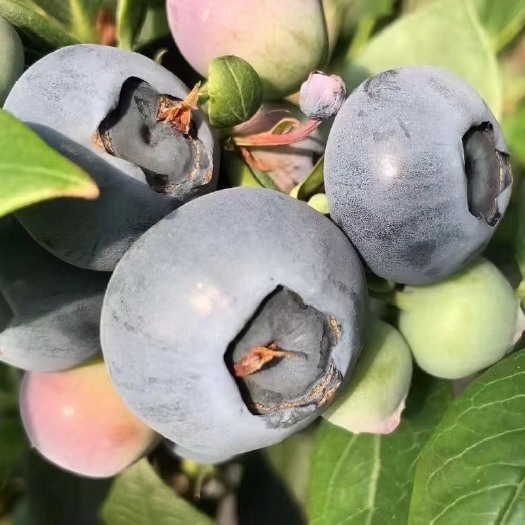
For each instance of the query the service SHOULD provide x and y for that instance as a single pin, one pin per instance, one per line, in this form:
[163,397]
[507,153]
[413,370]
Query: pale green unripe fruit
[462,325]
[11,58]
[375,396]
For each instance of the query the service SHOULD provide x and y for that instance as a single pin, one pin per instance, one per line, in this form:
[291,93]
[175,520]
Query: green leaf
[291,459]
[358,9]
[361,11]
[514,129]
[313,183]
[79,17]
[411,5]
[472,469]
[36,27]
[503,19]
[447,33]
[264,179]
[237,172]
[234,91]
[520,238]
[31,171]
[367,478]
[130,19]
[140,497]
[155,26]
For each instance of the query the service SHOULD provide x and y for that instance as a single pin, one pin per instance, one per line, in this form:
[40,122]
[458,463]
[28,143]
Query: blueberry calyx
[488,172]
[282,359]
[155,132]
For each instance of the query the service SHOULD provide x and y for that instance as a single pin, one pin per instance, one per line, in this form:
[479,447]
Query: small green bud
[234,91]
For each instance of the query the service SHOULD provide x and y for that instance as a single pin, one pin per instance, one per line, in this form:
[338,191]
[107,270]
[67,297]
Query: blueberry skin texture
[197,457]
[189,285]
[64,97]
[11,58]
[395,175]
[49,310]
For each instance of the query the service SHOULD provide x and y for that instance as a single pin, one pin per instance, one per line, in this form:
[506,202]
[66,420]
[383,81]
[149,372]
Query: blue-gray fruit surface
[417,173]
[105,109]
[49,310]
[200,295]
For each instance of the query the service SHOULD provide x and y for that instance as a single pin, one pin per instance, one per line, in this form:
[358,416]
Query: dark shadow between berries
[282,359]
[6,313]
[487,171]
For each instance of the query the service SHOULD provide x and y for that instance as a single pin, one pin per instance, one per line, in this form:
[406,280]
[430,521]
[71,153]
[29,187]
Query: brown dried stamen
[178,114]
[336,328]
[319,395]
[257,357]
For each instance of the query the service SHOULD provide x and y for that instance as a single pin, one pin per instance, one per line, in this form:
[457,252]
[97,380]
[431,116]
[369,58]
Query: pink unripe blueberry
[76,420]
[283,41]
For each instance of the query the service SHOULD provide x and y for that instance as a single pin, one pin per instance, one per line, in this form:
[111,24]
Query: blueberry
[197,457]
[11,58]
[417,173]
[49,310]
[461,325]
[233,321]
[108,110]
[375,397]
[282,48]
[77,420]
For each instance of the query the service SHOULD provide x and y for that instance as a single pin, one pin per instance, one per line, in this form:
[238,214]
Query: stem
[271,139]
[204,95]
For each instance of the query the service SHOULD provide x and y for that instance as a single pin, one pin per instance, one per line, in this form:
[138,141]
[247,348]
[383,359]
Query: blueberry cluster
[229,320]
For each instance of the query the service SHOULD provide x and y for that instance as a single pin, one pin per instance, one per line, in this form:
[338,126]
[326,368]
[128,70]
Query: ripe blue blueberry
[417,173]
[116,114]
[49,310]
[233,321]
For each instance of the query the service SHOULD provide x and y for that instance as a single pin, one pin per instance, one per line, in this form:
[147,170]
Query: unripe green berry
[375,397]
[462,325]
